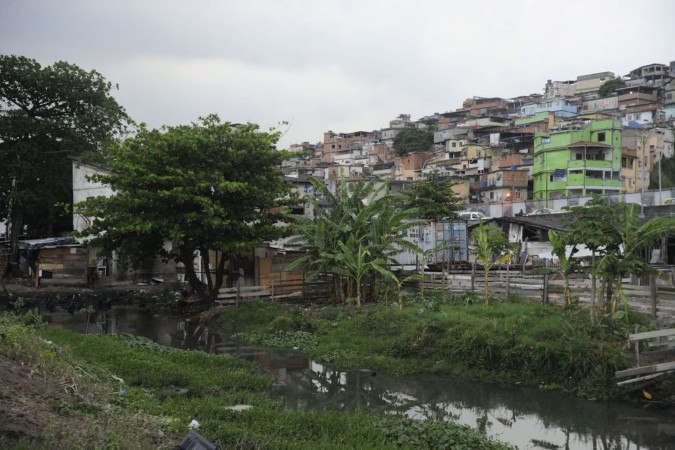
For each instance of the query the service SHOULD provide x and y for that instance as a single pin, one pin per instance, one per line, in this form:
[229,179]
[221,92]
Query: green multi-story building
[579,161]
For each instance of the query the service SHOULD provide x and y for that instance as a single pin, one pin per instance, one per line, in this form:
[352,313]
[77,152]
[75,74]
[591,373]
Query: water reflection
[527,418]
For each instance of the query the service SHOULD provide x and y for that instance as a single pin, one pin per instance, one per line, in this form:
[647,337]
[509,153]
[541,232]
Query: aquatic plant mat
[512,340]
[68,390]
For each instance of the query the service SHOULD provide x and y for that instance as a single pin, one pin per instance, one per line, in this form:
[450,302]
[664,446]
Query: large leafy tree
[610,86]
[594,226]
[667,168]
[434,198]
[47,114]
[412,140]
[616,239]
[206,186]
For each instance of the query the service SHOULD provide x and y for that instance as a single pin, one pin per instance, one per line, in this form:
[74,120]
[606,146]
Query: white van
[472,215]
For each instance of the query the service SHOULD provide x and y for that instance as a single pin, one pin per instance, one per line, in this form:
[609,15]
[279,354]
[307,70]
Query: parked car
[669,201]
[472,215]
[542,211]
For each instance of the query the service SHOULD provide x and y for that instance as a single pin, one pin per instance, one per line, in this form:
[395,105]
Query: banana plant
[493,249]
[559,243]
[625,258]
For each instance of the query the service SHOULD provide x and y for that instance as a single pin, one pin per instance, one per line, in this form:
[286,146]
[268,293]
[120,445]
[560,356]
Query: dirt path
[28,402]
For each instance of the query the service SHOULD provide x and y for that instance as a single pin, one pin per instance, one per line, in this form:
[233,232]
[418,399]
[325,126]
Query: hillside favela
[599,134]
[494,273]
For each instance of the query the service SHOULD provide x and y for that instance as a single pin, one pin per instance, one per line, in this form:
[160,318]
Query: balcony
[578,181]
[589,164]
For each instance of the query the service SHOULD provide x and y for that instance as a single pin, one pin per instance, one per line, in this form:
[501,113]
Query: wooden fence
[656,297]
[293,290]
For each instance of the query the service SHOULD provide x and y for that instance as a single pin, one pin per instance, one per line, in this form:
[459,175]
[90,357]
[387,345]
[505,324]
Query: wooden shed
[59,261]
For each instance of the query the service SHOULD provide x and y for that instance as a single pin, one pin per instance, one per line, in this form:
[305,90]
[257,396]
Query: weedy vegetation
[512,340]
[134,393]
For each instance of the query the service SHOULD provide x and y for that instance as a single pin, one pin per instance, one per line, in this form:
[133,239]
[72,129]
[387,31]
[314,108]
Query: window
[580,156]
[601,137]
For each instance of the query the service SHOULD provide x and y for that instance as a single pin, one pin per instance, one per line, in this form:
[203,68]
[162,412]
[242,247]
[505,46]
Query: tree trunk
[487,286]
[206,264]
[15,227]
[358,293]
[2,284]
[610,295]
[568,300]
[593,286]
[220,272]
[422,280]
[187,257]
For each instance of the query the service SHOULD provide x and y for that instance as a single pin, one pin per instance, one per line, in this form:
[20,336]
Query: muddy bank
[26,399]
[161,296]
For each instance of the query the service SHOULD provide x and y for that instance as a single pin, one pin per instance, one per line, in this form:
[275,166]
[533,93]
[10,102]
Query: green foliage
[46,115]
[354,236]
[210,185]
[592,224]
[513,340]
[434,434]
[413,140]
[667,168]
[559,242]
[297,340]
[251,316]
[493,248]
[154,400]
[434,198]
[610,86]
[613,234]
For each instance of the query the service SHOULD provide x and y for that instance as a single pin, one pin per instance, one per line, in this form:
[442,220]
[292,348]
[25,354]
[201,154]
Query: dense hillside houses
[597,134]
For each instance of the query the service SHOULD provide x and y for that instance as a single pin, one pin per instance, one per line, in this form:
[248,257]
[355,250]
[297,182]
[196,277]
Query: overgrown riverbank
[512,341]
[67,390]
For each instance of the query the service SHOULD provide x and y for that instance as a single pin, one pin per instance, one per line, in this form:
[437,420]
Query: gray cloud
[340,65]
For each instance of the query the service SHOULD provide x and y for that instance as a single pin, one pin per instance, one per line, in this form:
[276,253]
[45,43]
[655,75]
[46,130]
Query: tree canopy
[210,185]
[612,232]
[412,140]
[46,115]
[434,198]
[610,86]
[667,167]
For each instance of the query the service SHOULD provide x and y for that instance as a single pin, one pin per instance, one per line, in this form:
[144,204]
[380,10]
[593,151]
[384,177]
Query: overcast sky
[332,65]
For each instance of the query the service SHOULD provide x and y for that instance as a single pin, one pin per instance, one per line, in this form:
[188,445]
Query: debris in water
[239,407]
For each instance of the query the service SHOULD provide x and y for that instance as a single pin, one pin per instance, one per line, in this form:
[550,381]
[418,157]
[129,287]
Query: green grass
[514,341]
[167,388]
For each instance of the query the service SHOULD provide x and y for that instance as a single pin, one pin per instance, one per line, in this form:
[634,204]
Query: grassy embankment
[163,389]
[510,341]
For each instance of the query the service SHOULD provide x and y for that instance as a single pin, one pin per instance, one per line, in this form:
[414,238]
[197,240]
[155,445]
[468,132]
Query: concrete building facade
[577,162]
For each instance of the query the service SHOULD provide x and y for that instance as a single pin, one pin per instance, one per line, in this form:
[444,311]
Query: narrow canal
[524,417]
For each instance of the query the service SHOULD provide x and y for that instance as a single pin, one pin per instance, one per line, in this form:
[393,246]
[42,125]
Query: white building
[84,188]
